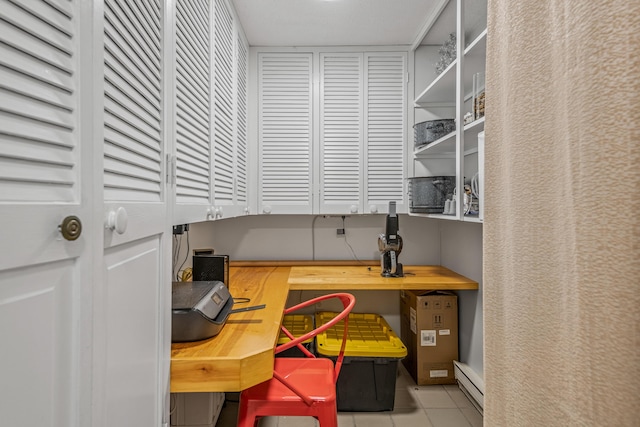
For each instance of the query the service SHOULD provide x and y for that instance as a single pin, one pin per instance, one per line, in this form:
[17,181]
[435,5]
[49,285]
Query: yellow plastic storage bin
[367,381]
[369,335]
[298,325]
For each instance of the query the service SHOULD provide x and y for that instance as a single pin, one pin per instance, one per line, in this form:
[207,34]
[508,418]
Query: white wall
[426,241]
[307,237]
[461,251]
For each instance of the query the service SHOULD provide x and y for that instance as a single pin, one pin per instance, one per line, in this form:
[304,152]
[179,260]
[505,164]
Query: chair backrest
[348,302]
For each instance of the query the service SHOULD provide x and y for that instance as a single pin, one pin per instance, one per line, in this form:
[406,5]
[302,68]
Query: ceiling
[333,22]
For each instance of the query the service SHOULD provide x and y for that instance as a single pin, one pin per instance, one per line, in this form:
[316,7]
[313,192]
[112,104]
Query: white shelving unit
[450,95]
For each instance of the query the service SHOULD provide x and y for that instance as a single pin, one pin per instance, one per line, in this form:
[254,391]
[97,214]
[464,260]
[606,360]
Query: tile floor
[415,406]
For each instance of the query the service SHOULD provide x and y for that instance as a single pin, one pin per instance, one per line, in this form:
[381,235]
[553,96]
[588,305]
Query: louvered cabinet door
[193,154]
[46,154]
[285,133]
[341,133]
[223,109]
[130,337]
[241,160]
[385,131]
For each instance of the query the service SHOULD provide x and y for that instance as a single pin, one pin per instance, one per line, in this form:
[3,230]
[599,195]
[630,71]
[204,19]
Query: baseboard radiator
[470,383]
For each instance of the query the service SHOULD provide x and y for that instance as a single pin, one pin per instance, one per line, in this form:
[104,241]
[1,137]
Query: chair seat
[312,376]
[313,379]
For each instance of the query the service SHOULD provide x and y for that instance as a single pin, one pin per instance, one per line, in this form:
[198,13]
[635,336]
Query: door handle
[71,228]
[117,220]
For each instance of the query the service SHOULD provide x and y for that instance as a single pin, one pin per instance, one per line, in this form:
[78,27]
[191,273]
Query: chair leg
[328,417]
[247,416]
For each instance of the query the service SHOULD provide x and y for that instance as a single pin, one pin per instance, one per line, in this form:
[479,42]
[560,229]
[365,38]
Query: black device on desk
[390,245]
[208,267]
[200,309]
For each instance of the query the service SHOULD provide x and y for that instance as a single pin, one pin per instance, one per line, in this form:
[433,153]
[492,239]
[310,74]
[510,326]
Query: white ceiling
[332,22]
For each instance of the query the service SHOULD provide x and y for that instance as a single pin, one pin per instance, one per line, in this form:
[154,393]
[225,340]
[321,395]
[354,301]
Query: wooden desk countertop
[241,355]
[362,277]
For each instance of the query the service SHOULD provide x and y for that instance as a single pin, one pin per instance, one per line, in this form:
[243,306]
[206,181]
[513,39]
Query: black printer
[200,309]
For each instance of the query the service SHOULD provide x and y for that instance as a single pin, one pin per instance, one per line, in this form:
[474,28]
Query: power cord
[313,238]
[185,257]
[349,245]
[172,404]
[177,243]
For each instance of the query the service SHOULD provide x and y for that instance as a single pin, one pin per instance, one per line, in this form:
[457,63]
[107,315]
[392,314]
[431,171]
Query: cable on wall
[177,243]
[313,237]
[348,244]
[185,257]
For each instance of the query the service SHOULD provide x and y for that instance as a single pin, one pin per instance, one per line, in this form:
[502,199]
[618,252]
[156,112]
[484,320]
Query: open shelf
[435,216]
[471,132]
[472,218]
[477,49]
[474,59]
[445,145]
[442,91]
[450,94]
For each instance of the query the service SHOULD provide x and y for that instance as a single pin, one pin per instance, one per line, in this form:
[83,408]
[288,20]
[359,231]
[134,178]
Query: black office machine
[209,267]
[390,245]
[200,309]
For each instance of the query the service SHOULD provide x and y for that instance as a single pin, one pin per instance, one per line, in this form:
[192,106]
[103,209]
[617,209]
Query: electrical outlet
[180,229]
[340,232]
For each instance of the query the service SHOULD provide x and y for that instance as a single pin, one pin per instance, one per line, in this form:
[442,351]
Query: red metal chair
[303,386]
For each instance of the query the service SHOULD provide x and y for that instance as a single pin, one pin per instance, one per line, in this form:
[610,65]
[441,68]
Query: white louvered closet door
[46,157]
[285,133]
[223,108]
[241,171]
[193,191]
[341,133]
[385,130]
[133,337]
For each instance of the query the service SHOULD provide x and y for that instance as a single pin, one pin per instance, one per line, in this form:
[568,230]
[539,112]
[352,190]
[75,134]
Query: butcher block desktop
[368,278]
[241,355]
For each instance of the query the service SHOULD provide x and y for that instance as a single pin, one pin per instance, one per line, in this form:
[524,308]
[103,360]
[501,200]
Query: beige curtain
[562,228]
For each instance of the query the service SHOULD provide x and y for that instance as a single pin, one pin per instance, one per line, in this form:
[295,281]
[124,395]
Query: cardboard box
[429,330]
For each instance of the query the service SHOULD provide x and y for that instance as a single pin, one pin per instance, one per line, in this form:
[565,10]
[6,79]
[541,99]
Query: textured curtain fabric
[562,230]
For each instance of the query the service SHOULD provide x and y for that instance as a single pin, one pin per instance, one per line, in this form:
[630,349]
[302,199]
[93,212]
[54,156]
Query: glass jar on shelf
[478,96]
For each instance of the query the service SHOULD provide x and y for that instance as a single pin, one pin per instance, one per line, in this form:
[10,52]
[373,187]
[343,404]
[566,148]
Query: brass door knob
[71,227]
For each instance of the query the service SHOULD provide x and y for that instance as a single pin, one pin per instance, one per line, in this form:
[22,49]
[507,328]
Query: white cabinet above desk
[331,131]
